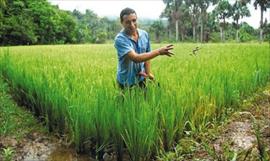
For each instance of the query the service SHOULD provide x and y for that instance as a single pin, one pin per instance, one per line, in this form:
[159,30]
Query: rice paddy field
[73,89]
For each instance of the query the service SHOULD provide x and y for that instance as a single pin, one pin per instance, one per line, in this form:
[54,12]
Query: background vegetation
[38,22]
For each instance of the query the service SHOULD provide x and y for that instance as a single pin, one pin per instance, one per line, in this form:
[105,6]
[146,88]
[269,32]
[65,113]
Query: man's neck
[134,35]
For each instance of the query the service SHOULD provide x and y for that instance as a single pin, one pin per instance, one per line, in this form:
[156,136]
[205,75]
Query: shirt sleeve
[122,46]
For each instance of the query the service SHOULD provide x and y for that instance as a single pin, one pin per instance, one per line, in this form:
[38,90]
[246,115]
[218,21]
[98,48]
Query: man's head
[128,19]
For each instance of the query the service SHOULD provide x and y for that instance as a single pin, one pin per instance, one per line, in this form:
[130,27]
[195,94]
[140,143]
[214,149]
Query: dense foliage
[38,22]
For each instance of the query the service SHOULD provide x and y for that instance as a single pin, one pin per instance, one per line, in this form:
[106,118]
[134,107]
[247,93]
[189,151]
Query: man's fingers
[168,46]
[168,50]
[171,53]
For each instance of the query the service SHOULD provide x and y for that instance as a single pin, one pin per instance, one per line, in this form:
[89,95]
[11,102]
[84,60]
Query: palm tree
[203,6]
[194,12]
[263,4]
[240,10]
[223,10]
[172,12]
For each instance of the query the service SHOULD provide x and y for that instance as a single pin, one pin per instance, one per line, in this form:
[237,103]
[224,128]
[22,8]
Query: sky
[144,8]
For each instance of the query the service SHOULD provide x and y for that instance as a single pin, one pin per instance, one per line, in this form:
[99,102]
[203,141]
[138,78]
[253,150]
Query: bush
[101,37]
[244,36]
[215,37]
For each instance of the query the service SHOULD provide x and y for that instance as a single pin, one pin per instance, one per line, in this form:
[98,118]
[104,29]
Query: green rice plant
[73,88]
[8,153]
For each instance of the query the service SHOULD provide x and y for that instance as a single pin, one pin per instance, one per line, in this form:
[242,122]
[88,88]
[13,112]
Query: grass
[15,121]
[73,88]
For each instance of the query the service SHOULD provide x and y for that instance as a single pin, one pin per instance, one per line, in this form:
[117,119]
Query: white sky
[144,8]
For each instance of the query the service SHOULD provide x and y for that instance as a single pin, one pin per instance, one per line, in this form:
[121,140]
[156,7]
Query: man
[134,52]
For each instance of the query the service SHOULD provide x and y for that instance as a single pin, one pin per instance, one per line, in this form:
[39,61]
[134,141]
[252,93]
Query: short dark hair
[126,11]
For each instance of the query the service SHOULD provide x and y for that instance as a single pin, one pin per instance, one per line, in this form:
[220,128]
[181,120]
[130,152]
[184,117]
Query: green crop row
[73,88]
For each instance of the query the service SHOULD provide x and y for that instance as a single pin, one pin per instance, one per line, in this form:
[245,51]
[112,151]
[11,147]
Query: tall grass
[73,88]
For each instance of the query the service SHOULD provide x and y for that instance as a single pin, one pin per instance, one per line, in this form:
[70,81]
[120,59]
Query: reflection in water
[66,154]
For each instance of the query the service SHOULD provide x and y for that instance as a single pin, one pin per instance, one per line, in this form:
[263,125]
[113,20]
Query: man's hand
[166,50]
[143,74]
[150,75]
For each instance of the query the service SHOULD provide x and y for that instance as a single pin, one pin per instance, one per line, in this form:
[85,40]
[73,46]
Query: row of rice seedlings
[193,89]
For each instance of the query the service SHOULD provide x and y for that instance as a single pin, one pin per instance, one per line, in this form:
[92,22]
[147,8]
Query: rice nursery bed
[73,89]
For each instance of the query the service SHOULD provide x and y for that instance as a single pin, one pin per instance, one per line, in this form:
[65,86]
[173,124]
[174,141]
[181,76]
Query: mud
[39,147]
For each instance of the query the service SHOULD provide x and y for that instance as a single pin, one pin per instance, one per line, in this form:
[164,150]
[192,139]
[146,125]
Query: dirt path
[245,137]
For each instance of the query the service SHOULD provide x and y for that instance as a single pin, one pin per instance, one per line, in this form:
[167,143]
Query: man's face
[130,23]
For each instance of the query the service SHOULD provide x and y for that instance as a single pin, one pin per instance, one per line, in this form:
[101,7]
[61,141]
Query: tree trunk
[157,37]
[261,26]
[237,31]
[261,35]
[201,30]
[169,32]
[194,33]
[176,31]
[237,35]
[182,35]
[221,34]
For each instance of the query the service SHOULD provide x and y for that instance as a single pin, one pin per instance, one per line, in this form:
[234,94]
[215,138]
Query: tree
[66,27]
[203,6]
[184,24]
[212,27]
[267,32]
[17,26]
[239,10]
[246,32]
[263,4]
[2,3]
[166,14]
[157,27]
[35,22]
[172,12]
[194,12]
[223,11]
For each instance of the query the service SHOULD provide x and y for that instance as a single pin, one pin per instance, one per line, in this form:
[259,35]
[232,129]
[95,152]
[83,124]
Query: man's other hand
[166,50]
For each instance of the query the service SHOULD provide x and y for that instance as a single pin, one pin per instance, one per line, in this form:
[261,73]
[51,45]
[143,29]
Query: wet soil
[39,147]
[244,137]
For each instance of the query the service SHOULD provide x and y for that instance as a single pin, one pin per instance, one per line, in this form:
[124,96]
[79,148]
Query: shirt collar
[138,30]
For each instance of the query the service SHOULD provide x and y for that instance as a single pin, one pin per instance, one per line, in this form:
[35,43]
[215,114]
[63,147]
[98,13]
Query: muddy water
[38,147]
[65,154]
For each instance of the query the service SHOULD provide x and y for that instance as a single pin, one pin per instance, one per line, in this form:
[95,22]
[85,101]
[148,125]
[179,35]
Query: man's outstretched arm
[138,58]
